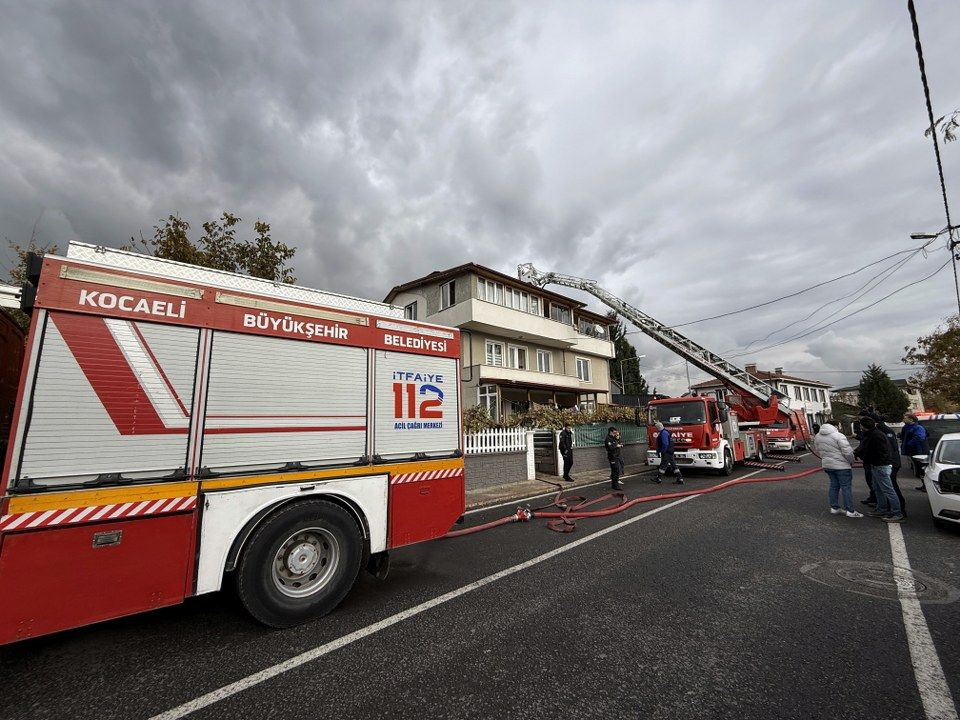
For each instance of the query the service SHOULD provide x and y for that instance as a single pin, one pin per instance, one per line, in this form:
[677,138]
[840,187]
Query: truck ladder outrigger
[709,362]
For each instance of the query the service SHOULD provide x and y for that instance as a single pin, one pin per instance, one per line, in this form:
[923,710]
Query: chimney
[752,369]
[778,372]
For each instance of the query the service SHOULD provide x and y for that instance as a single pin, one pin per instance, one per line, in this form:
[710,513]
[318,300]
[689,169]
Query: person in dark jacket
[667,459]
[565,446]
[875,449]
[615,456]
[895,461]
[861,433]
[914,442]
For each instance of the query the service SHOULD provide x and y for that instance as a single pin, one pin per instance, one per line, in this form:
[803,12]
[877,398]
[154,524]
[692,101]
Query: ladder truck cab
[705,432]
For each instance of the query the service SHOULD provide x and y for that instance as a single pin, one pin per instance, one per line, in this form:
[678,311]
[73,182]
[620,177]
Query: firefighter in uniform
[615,456]
[566,450]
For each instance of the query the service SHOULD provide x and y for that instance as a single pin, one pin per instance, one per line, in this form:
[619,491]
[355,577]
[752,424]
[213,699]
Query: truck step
[765,465]
[786,458]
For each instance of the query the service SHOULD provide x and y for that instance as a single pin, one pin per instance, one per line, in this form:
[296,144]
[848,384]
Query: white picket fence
[498,440]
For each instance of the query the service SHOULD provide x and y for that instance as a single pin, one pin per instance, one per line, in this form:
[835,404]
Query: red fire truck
[176,426]
[709,433]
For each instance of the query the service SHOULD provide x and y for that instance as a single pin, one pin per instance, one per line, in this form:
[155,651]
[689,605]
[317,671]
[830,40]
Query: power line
[848,315]
[737,352]
[798,292]
[936,145]
[872,283]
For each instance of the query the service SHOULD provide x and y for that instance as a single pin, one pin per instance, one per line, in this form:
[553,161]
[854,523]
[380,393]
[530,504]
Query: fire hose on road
[564,511]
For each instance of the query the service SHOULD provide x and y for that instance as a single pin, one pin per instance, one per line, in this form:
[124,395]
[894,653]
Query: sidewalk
[501,493]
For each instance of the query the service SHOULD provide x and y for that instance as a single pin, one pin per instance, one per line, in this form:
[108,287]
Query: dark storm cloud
[695,157]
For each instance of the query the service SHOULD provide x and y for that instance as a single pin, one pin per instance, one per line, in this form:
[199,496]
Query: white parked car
[942,480]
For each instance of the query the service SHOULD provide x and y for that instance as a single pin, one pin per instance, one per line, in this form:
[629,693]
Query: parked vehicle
[177,426]
[942,480]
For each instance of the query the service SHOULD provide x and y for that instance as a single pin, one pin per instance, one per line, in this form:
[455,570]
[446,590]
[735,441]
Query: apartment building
[522,345]
[812,396]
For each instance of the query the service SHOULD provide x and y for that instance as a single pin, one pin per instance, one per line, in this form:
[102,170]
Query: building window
[806,393]
[487,398]
[560,313]
[583,369]
[535,306]
[796,392]
[410,311]
[785,389]
[448,294]
[591,329]
[544,361]
[494,353]
[517,357]
[499,294]
[823,398]
[588,403]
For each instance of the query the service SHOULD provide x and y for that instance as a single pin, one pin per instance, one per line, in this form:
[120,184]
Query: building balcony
[486,317]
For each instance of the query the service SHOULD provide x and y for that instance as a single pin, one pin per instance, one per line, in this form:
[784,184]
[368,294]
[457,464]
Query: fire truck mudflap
[174,423]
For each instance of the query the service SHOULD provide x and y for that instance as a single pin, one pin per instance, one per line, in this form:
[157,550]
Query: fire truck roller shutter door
[417,405]
[273,401]
[112,396]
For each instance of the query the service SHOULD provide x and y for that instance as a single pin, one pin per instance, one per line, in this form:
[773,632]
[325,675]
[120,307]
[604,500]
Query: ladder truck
[707,432]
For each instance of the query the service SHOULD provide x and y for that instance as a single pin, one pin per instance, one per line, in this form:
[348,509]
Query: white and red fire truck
[176,425]
[712,434]
[707,432]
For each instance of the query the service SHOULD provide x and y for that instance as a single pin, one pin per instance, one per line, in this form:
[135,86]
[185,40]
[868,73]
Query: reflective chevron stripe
[94,513]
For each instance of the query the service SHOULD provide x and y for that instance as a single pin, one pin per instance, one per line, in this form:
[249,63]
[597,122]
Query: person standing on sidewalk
[667,459]
[836,459]
[565,446]
[615,456]
[875,449]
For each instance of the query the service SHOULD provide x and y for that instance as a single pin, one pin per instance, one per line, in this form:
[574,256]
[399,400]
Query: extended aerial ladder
[764,397]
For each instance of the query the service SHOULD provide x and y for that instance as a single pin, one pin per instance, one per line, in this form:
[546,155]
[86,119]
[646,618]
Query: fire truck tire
[299,563]
[727,468]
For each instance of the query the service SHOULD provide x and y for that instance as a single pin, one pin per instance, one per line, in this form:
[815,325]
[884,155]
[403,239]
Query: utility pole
[952,244]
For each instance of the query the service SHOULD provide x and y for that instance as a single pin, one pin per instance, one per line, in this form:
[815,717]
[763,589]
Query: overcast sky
[695,157]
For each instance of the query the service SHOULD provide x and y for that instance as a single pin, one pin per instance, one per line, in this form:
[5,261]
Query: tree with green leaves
[937,356]
[219,248]
[878,391]
[625,366]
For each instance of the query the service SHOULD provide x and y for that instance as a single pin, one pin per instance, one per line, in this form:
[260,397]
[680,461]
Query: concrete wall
[595,458]
[495,469]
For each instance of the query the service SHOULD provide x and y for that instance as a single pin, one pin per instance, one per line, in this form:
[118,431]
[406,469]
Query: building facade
[812,396]
[851,395]
[523,346]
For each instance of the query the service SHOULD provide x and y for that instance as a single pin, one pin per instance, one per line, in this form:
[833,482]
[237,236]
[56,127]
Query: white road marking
[310,655]
[934,692]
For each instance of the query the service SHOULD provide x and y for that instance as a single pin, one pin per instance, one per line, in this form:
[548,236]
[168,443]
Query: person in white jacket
[836,458]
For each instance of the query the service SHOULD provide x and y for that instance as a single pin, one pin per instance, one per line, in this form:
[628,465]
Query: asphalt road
[699,610]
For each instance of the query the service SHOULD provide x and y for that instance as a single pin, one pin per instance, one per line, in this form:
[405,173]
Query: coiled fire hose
[564,511]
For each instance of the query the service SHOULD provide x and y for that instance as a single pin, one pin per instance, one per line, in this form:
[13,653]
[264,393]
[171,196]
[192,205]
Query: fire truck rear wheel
[300,563]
